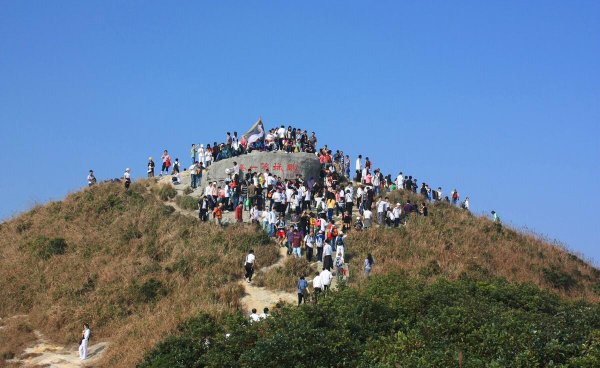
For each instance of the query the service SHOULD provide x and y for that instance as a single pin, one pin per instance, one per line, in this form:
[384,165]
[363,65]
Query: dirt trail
[254,296]
[260,297]
[46,354]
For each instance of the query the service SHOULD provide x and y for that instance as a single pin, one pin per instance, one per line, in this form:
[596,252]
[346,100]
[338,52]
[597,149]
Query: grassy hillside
[454,244]
[122,261]
[136,270]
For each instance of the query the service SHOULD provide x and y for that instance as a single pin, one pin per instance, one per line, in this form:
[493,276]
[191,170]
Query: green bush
[395,321]
[166,192]
[559,279]
[149,291]
[187,202]
[45,248]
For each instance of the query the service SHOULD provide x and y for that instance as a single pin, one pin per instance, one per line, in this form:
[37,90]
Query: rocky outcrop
[282,164]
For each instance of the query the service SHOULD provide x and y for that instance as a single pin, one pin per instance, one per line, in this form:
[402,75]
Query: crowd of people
[309,216]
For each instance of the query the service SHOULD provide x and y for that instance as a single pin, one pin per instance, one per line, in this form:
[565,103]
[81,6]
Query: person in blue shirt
[302,290]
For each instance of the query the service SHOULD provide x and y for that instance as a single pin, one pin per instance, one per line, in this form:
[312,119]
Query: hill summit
[138,265]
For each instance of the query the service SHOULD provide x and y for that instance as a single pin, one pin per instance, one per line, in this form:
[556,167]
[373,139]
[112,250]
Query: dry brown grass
[132,268]
[452,243]
[15,334]
[285,277]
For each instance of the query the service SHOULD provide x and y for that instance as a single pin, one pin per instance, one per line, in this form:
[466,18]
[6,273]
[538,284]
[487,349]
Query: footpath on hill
[254,296]
[45,353]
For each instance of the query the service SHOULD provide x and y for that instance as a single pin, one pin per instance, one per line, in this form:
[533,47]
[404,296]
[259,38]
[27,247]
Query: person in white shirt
[327,256]
[358,166]
[317,286]
[326,278]
[382,206]
[400,181]
[264,215]
[397,211]
[85,339]
[255,214]
[253,316]
[307,199]
[91,178]
[368,215]
[278,201]
[309,240]
[127,178]
[390,218]
[201,155]
[249,265]
[339,251]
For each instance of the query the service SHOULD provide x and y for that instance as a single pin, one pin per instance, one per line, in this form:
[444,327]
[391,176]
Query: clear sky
[500,99]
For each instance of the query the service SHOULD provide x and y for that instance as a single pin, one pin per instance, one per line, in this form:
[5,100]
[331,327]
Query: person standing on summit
[91,179]
[193,153]
[166,163]
[358,168]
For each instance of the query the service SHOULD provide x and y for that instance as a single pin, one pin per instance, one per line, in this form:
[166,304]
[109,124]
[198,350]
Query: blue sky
[500,99]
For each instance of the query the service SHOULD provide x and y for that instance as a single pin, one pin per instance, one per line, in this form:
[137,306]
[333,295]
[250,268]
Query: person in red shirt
[296,243]
[238,213]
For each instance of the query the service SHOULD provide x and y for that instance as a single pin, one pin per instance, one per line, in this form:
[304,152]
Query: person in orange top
[238,213]
[218,213]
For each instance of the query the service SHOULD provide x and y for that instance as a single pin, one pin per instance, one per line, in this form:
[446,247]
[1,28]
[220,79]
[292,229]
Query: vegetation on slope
[453,243]
[122,261]
[397,321]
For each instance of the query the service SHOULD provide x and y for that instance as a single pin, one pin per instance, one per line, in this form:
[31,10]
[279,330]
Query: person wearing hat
[127,178]
[150,167]
[358,224]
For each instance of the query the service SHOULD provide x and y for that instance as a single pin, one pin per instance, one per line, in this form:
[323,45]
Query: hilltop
[138,269]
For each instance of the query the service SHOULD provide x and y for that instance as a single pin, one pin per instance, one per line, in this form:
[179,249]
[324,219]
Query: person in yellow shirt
[331,204]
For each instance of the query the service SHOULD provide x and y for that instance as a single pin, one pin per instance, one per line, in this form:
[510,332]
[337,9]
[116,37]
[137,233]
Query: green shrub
[559,279]
[187,202]
[23,226]
[188,190]
[432,269]
[45,248]
[166,192]
[186,349]
[396,321]
[149,291]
